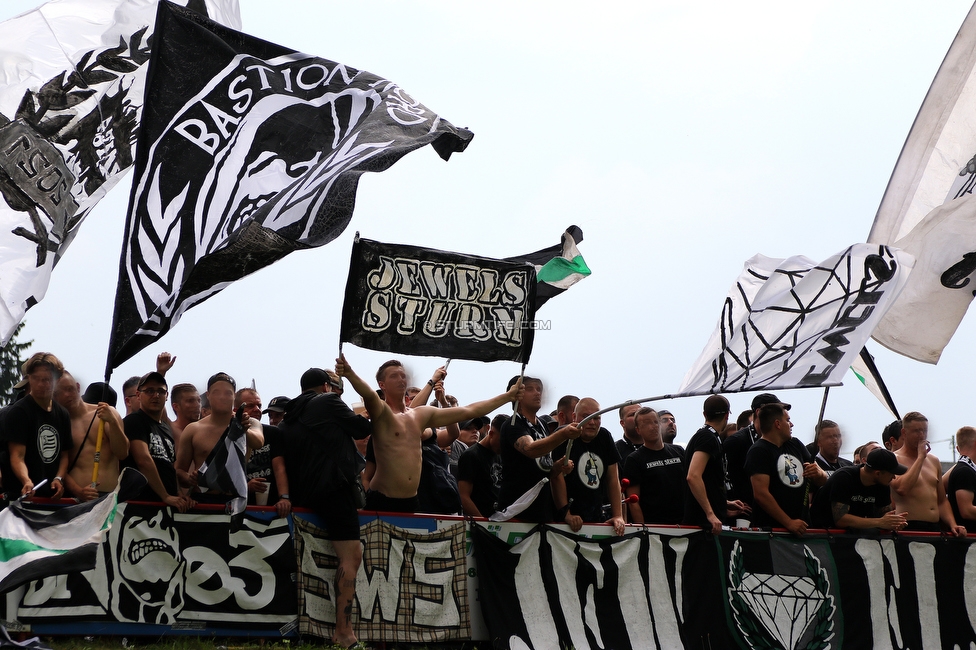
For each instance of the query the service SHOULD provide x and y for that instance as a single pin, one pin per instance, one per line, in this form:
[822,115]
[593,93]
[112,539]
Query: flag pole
[515,404]
[98,452]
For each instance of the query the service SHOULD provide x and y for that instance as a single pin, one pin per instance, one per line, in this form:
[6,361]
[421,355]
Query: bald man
[594,480]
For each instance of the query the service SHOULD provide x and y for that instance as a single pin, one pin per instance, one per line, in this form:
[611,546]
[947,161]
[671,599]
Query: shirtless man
[919,491]
[185,400]
[199,438]
[398,430]
[85,419]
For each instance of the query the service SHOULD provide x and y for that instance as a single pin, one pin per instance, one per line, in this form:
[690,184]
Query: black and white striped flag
[247,152]
[224,469]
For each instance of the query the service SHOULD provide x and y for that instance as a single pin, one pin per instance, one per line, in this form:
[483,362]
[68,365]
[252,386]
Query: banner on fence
[411,587]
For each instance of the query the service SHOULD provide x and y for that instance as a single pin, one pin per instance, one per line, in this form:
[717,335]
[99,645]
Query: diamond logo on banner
[779,610]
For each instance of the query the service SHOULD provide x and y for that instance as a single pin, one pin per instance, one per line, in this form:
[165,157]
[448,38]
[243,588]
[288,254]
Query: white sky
[682,137]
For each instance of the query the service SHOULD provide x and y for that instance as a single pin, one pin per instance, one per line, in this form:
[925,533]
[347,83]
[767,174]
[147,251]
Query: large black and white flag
[248,151]
[414,300]
[71,91]
[795,323]
[929,210]
[224,469]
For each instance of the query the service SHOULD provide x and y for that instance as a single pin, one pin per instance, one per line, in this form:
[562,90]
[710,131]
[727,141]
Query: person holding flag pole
[398,430]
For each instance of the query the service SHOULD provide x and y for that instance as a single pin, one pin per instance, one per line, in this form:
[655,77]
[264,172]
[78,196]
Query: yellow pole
[98,452]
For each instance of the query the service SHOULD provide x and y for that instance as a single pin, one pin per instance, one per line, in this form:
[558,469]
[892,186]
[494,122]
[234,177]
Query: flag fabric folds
[36,544]
[249,151]
[224,470]
[415,300]
[928,209]
[558,267]
[71,92]
[794,323]
[867,373]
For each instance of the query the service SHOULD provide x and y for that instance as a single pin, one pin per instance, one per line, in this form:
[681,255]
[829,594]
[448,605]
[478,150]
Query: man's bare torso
[205,434]
[397,444]
[922,503]
[108,465]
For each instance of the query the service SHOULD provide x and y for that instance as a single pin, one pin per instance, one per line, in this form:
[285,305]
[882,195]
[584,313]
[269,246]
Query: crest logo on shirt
[48,443]
[590,470]
[790,470]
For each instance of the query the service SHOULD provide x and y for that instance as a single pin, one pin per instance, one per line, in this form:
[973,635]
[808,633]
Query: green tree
[10,363]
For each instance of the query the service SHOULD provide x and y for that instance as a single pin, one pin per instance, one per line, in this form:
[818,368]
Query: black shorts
[379,501]
[338,512]
[923,526]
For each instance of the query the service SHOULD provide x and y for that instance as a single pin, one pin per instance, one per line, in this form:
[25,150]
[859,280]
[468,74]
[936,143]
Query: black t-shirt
[736,447]
[962,477]
[714,477]
[784,466]
[829,467]
[46,436]
[626,448]
[586,485]
[661,475]
[159,438]
[520,473]
[845,486]
[259,465]
[481,467]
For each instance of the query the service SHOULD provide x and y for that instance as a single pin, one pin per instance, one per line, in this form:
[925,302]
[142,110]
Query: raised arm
[527,446]
[444,417]
[114,430]
[371,400]
[905,483]
[421,398]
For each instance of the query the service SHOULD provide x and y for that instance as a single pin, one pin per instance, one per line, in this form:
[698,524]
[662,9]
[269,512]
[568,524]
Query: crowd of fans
[399,453]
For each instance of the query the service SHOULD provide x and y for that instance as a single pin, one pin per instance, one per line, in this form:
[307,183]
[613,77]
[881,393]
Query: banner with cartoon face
[160,567]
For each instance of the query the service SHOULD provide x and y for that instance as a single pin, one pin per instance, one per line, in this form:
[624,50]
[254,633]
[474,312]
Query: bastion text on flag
[415,300]
[794,323]
[71,92]
[248,151]
[928,209]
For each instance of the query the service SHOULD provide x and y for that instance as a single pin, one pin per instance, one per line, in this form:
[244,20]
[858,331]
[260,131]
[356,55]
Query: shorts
[379,501]
[923,526]
[338,512]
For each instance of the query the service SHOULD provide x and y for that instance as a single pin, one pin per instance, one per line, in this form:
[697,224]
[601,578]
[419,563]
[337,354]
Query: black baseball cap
[277,404]
[221,376]
[886,461]
[315,377]
[475,423]
[100,392]
[762,399]
[152,376]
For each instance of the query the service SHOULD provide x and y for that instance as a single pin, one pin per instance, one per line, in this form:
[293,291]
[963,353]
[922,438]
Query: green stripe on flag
[14,548]
[560,268]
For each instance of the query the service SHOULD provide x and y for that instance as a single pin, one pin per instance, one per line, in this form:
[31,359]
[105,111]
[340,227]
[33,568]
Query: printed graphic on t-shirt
[790,470]
[48,443]
[544,463]
[590,469]
[160,448]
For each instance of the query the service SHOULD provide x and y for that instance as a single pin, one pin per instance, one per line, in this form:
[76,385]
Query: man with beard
[631,441]
[85,422]
[398,433]
[669,426]
[596,481]
[199,438]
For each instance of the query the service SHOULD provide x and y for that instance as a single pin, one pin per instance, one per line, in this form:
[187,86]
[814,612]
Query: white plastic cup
[261,498]
[742,523]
